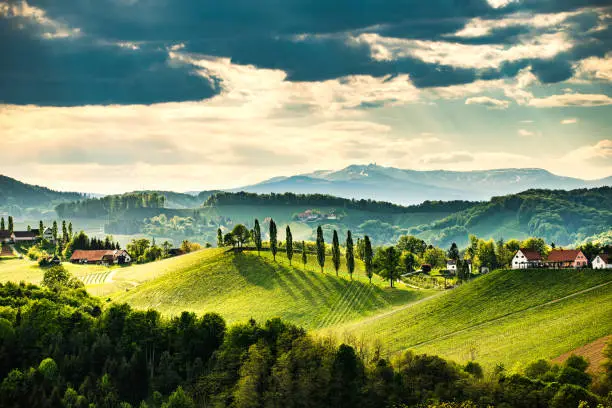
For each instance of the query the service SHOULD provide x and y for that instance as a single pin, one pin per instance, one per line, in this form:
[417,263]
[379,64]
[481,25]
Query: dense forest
[15,193]
[109,205]
[559,216]
[59,347]
[323,200]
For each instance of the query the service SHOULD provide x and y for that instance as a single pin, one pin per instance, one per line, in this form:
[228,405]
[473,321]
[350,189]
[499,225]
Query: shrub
[537,369]
[474,368]
[569,375]
[571,395]
[577,362]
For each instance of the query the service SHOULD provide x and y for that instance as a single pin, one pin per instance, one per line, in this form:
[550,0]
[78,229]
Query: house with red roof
[526,258]
[101,256]
[566,258]
[602,261]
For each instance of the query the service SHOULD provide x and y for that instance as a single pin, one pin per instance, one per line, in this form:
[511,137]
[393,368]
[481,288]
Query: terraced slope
[245,285]
[502,317]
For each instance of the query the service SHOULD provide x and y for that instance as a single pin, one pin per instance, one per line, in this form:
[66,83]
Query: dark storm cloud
[75,71]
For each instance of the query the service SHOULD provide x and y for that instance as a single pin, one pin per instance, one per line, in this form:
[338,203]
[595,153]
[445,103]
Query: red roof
[604,257]
[93,255]
[563,255]
[531,255]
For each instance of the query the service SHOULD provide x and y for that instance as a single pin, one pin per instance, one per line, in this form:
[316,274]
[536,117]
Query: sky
[108,96]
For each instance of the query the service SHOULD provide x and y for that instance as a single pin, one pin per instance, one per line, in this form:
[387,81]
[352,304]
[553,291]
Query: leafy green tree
[273,239]
[453,252]
[368,256]
[350,254]
[411,244]
[336,252]
[408,261]
[179,399]
[289,244]
[253,377]
[10,224]
[536,244]
[386,262]
[435,257]
[304,254]
[240,234]
[257,236]
[486,254]
[320,248]
[219,238]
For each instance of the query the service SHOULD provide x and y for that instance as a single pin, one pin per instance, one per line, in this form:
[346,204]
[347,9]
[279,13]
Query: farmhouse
[101,256]
[602,261]
[25,236]
[451,265]
[566,258]
[525,258]
[48,234]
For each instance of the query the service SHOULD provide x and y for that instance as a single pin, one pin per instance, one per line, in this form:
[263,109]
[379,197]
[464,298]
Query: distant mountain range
[16,193]
[413,186]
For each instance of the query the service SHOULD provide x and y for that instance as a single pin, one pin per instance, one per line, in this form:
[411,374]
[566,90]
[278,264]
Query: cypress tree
[2,227]
[304,255]
[41,227]
[320,248]
[273,241]
[55,230]
[367,257]
[64,231]
[336,252]
[219,238]
[289,244]
[350,254]
[257,236]
[69,231]
[10,224]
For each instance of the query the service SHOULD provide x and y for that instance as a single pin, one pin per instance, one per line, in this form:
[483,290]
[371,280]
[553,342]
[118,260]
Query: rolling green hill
[245,285]
[505,316]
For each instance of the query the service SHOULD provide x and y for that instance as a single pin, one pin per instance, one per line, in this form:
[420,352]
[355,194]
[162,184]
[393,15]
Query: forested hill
[16,193]
[325,200]
[559,216]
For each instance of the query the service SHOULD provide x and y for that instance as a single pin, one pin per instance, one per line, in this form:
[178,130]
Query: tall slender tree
[257,236]
[336,252]
[10,224]
[367,257]
[2,226]
[54,229]
[64,231]
[41,228]
[69,231]
[304,254]
[289,244]
[219,238]
[273,239]
[320,248]
[350,254]
[453,252]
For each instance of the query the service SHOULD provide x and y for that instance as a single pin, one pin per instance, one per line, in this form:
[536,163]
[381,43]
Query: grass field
[245,285]
[506,316]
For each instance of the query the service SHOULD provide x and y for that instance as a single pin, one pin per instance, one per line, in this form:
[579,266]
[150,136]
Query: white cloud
[525,132]
[480,56]
[595,68]
[569,121]
[500,3]
[478,27]
[51,28]
[571,99]
[490,103]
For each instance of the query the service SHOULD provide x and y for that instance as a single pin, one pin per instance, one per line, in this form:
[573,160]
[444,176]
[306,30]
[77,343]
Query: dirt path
[551,302]
[593,352]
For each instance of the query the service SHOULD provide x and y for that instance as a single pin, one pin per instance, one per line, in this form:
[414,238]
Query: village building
[525,258]
[25,236]
[48,234]
[5,236]
[602,261]
[101,256]
[451,265]
[566,258]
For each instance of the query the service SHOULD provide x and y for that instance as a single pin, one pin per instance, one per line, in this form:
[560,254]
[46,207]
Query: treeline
[556,215]
[16,193]
[59,347]
[143,250]
[291,199]
[109,205]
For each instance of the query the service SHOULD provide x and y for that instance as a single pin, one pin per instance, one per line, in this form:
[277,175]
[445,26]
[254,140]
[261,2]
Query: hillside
[243,286]
[562,217]
[503,317]
[20,196]
[403,186]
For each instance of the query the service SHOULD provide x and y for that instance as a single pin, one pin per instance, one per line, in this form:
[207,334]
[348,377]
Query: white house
[602,261]
[48,234]
[451,265]
[524,258]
